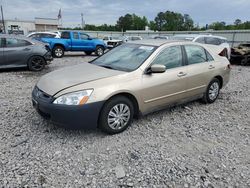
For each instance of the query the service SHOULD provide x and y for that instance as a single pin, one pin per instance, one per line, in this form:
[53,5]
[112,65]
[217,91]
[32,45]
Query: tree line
[164,21]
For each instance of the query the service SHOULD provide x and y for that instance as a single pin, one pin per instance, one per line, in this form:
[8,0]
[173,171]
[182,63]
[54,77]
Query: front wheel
[36,63]
[212,91]
[58,51]
[116,115]
[99,50]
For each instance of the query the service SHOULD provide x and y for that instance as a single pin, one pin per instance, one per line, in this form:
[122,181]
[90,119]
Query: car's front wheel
[36,63]
[116,115]
[212,91]
[99,50]
[58,51]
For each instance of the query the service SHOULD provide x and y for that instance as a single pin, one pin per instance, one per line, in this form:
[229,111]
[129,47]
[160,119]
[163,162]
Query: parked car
[40,35]
[241,54]
[160,37]
[134,78]
[75,41]
[17,51]
[112,42]
[207,39]
[131,38]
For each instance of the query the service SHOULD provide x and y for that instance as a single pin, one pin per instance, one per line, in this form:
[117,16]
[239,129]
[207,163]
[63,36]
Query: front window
[83,36]
[127,57]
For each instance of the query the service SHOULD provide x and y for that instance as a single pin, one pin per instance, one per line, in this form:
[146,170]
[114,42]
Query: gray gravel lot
[193,145]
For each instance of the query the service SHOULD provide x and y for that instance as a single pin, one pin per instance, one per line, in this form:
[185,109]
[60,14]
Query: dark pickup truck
[75,41]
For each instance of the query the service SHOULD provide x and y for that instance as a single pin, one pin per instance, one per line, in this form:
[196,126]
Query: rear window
[12,42]
[45,35]
[212,40]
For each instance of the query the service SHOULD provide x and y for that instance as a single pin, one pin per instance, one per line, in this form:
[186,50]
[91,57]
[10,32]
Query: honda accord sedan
[133,79]
[17,51]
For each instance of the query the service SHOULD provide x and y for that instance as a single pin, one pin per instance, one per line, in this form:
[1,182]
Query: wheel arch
[220,78]
[58,44]
[128,95]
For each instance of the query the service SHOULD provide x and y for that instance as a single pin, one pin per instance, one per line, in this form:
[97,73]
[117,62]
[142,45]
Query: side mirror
[157,68]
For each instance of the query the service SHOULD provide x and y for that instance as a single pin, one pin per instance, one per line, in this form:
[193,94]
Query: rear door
[16,51]
[76,42]
[168,87]
[200,68]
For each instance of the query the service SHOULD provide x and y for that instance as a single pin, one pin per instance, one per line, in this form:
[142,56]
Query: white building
[26,26]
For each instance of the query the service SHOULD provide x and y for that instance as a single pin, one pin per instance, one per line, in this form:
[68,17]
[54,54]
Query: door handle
[181,74]
[211,67]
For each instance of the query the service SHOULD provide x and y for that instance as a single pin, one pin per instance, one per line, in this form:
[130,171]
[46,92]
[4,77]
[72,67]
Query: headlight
[75,98]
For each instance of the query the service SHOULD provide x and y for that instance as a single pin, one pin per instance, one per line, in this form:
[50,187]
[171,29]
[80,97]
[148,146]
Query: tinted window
[209,56]
[45,35]
[12,42]
[200,40]
[1,43]
[170,57]
[195,54]
[105,38]
[83,36]
[75,35]
[35,36]
[214,41]
[65,35]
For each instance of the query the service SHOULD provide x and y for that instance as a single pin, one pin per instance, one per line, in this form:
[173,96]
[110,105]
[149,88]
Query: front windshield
[126,57]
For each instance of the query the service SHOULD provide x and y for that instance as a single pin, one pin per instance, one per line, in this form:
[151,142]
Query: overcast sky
[108,11]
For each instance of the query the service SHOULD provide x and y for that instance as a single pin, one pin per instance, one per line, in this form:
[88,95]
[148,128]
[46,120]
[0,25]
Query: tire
[212,92]
[110,121]
[58,51]
[36,63]
[99,50]
[88,53]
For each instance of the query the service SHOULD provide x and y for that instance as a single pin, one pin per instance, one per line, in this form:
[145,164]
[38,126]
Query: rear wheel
[58,51]
[99,50]
[116,115]
[212,91]
[36,63]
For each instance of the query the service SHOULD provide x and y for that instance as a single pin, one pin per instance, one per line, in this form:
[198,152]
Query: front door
[169,87]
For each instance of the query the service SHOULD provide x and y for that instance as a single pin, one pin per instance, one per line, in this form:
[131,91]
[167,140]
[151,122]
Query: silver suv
[207,39]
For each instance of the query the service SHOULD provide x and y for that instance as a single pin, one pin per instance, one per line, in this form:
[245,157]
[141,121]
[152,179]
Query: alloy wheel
[213,91]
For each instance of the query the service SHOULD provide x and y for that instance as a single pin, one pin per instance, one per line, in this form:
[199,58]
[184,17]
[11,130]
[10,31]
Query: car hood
[58,80]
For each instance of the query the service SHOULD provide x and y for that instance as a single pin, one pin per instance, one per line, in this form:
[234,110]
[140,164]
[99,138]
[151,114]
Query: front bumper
[72,117]
[48,57]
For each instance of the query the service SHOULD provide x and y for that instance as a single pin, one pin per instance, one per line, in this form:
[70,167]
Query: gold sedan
[132,79]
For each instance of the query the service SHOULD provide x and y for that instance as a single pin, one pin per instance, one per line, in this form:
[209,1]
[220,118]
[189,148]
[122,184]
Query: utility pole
[82,21]
[4,31]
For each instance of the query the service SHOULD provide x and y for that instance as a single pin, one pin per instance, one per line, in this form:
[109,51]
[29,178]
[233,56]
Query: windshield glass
[127,57]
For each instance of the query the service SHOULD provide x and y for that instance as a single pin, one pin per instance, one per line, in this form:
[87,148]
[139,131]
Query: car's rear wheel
[99,50]
[212,91]
[58,51]
[116,115]
[36,63]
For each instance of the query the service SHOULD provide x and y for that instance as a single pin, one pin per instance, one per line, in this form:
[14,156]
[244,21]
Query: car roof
[198,35]
[158,42]
[20,37]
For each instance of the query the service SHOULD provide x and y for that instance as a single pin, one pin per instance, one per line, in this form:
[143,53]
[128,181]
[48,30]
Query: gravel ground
[193,145]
